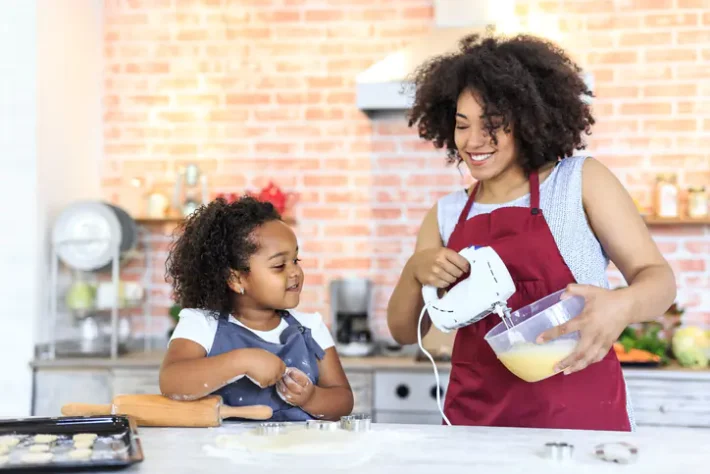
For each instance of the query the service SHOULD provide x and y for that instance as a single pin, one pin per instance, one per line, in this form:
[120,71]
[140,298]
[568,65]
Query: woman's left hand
[295,387]
[606,314]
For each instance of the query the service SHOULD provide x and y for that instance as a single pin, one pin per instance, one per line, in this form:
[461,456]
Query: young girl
[514,112]
[235,270]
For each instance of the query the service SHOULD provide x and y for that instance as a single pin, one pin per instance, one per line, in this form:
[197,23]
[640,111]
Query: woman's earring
[241,291]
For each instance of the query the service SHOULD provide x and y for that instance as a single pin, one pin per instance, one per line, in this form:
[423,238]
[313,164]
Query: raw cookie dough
[80,454]
[4,449]
[83,443]
[85,437]
[44,438]
[32,458]
[39,448]
[9,441]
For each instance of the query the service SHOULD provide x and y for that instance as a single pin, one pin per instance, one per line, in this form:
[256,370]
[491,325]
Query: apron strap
[534,193]
[469,202]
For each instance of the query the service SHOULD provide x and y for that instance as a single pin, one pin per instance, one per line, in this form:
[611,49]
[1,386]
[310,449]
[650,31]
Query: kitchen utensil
[116,445]
[86,235]
[322,425]
[356,422]
[270,429]
[485,290]
[157,410]
[516,347]
[558,451]
[620,453]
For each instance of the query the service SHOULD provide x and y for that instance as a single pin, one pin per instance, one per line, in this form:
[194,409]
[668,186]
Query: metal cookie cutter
[559,451]
[322,425]
[270,428]
[620,453]
[357,422]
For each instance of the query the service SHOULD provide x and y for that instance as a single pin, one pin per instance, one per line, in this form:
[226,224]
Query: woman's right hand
[438,267]
[263,367]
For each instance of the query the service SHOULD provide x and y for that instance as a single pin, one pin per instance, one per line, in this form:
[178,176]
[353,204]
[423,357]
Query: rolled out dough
[83,443]
[3,460]
[4,449]
[31,458]
[85,437]
[80,454]
[44,438]
[9,441]
[39,448]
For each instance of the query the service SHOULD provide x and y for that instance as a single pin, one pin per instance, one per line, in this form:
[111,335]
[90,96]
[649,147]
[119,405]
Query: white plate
[86,234]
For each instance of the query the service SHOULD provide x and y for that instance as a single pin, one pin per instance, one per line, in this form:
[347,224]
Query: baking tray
[116,444]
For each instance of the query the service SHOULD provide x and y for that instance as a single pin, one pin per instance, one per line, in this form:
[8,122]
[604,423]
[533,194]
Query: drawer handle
[432,392]
[402,391]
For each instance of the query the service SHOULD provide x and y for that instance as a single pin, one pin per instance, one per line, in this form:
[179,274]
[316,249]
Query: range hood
[385,86]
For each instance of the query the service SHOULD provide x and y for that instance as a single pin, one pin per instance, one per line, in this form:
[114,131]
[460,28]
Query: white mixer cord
[433,363]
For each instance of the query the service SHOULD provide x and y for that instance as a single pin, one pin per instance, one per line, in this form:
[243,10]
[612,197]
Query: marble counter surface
[423,449]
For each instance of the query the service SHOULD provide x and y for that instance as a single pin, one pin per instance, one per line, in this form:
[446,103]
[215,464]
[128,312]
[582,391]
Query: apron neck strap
[534,181]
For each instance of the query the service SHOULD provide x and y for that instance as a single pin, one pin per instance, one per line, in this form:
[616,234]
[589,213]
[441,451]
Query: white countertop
[409,449]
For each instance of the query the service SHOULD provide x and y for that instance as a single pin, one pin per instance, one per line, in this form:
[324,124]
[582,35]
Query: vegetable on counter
[642,345]
[691,346]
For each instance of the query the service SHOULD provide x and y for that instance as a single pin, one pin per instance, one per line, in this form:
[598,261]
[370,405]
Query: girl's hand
[295,387]
[438,267]
[605,315]
[264,368]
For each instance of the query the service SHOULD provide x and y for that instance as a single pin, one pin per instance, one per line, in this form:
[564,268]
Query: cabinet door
[670,402]
[55,387]
[135,381]
[361,384]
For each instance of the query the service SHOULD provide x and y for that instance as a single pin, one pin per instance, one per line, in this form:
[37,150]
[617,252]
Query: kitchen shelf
[659,221]
[177,219]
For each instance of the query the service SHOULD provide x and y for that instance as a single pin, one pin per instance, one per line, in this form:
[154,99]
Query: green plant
[174,312]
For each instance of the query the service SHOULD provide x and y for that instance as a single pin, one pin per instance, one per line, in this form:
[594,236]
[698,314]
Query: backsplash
[255,91]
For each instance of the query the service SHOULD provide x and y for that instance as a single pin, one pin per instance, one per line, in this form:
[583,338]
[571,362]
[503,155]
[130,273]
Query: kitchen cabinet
[390,391]
[56,387]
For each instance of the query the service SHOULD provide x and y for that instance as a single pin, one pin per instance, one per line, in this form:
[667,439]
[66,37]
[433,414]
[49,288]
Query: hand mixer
[485,291]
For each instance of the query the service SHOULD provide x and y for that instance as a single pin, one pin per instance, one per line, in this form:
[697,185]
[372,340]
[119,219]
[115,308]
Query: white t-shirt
[201,327]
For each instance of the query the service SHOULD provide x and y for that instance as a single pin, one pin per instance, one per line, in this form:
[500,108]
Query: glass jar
[697,202]
[666,195]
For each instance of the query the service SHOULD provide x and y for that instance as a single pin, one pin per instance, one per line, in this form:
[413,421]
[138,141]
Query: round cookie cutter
[627,455]
[356,422]
[322,425]
[558,451]
[270,428]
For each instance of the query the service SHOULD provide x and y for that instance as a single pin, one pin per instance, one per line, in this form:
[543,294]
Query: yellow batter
[534,362]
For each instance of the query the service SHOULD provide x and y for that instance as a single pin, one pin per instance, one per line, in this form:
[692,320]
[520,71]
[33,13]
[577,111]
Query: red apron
[481,391]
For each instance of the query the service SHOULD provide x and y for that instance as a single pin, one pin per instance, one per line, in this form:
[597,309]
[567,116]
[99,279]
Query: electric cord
[433,363]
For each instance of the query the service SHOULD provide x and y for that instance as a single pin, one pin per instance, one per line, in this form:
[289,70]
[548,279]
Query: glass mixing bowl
[516,348]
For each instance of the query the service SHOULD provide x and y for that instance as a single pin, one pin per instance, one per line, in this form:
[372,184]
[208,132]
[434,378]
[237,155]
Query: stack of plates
[87,233]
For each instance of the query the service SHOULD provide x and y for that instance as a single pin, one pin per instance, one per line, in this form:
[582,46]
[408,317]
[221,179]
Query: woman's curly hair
[524,82]
[214,240]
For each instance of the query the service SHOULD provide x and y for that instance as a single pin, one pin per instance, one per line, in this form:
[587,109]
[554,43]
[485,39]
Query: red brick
[346,230]
[694,4]
[670,125]
[634,5]
[694,36]
[227,115]
[325,180]
[646,108]
[693,72]
[645,39]
[671,20]
[199,100]
[613,21]
[666,55]
[324,15]
[265,148]
[670,90]
[324,113]
[147,68]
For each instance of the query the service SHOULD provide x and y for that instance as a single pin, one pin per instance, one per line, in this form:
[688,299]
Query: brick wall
[258,90]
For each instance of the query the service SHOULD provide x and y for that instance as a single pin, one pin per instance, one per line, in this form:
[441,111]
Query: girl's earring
[241,291]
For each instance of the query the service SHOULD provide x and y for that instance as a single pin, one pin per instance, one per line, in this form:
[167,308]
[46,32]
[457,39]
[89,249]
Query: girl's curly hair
[525,83]
[214,240]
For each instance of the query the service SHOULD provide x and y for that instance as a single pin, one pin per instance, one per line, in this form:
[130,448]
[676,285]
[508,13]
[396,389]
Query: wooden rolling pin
[157,410]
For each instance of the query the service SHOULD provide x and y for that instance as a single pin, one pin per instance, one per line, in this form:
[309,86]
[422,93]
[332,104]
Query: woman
[514,111]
